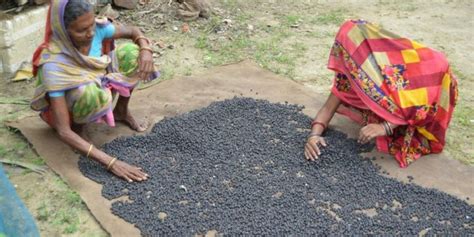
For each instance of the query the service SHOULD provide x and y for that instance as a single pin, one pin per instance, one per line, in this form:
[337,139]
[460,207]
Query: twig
[31,167]
[151,10]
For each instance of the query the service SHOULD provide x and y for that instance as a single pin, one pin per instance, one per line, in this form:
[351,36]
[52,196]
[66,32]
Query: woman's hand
[311,149]
[370,132]
[145,65]
[128,172]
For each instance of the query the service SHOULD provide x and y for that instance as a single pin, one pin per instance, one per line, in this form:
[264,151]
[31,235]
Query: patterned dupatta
[382,76]
[89,79]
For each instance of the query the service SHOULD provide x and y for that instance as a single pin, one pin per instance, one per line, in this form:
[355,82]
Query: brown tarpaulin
[183,94]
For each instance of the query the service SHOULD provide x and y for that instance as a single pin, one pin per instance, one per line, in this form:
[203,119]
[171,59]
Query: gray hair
[75,9]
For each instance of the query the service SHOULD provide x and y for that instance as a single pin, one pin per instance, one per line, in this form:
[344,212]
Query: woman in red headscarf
[401,92]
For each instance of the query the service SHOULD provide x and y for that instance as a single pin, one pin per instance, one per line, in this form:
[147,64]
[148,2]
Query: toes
[141,128]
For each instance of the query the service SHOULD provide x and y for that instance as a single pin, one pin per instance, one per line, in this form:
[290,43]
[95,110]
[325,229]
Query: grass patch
[166,74]
[290,20]
[271,52]
[3,151]
[213,24]
[188,71]
[202,42]
[68,219]
[73,198]
[334,17]
[243,17]
[43,212]
[459,137]
[224,51]
[62,214]
[38,161]
[231,5]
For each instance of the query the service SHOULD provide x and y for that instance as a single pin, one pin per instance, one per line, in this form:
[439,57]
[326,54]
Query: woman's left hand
[370,132]
[145,65]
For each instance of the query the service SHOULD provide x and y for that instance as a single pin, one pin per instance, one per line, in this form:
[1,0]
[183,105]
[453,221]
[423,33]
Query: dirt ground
[291,39]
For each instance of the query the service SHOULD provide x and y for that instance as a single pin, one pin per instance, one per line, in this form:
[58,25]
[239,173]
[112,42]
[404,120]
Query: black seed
[242,165]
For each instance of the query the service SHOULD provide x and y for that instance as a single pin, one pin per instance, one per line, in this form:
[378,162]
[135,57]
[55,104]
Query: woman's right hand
[311,149]
[128,172]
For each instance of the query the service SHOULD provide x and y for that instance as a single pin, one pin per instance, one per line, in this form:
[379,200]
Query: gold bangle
[313,135]
[89,151]
[111,163]
[141,37]
[147,48]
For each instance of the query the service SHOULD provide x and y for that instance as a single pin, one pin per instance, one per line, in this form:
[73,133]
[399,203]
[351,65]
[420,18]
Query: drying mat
[184,94]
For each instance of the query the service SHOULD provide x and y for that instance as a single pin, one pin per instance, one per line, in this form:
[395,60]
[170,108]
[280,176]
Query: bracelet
[313,135]
[111,163]
[388,128]
[146,48]
[316,122]
[385,129]
[89,151]
[141,37]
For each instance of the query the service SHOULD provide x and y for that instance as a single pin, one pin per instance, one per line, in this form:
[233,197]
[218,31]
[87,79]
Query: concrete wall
[19,36]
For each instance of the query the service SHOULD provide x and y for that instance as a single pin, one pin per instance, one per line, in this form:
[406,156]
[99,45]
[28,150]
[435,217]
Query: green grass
[67,218]
[37,161]
[166,74]
[43,213]
[243,17]
[230,5]
[459,146]
[459,138]
[65,215]
[20,146]
[202,42]
[334,17]
[188,71]
[213,24]
[291,20]
[3,151]
[320,34]
[223,52]
[270,52]
[409,8]
[73,198]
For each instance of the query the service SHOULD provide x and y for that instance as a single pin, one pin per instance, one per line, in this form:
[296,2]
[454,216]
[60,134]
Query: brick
[19,37]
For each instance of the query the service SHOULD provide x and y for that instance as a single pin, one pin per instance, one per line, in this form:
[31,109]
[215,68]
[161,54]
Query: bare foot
[128,119]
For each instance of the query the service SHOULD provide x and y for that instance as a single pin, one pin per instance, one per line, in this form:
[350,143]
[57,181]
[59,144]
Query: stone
[162,216]
[127,4]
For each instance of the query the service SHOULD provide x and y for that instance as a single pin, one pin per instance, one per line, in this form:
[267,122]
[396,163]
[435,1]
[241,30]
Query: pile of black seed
[237,167]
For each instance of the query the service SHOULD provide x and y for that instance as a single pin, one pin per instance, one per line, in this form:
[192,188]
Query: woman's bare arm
[323,116]
[145,60]
[63,128]
[326,113]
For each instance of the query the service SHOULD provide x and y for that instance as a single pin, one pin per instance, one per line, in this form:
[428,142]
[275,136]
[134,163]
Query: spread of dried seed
[237,167]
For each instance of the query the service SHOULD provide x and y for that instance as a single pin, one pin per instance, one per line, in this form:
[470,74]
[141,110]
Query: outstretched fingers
[312,152]
[128,172]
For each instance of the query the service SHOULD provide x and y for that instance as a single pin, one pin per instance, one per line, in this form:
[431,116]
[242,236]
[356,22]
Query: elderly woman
[401,92]
[78,75]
